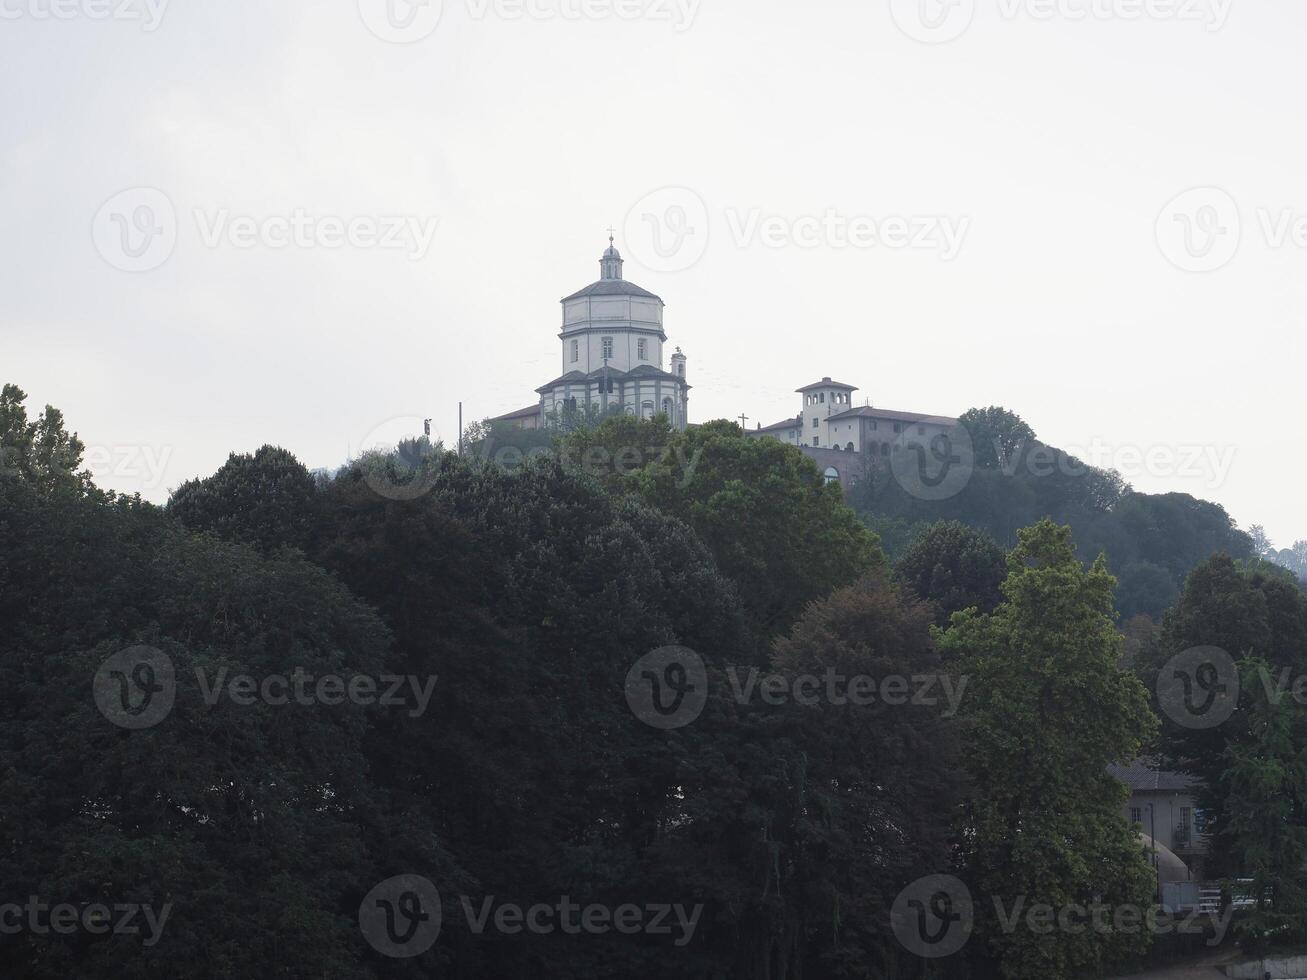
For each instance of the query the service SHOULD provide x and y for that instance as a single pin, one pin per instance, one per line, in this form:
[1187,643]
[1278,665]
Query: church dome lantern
[611,264]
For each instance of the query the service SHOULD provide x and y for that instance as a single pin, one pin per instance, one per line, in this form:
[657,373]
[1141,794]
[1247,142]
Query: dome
[611,263]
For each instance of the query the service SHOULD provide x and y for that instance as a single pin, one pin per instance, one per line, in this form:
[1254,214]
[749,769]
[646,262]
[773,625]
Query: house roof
[1143,775]
[613,287]
[640,373]
[885,413]
[828,383]
[522,413]
[787,424]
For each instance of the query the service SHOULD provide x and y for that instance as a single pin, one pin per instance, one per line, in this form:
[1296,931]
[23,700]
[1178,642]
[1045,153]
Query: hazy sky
[948,205]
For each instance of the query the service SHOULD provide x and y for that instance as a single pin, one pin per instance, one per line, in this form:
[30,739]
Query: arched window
[850,447]
[832,475]
[646,410]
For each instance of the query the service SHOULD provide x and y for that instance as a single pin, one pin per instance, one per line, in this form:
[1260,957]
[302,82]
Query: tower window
[642,349]
[608,346]
[576,351]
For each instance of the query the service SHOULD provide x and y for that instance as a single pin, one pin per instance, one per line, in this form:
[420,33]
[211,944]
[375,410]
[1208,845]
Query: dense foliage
[1151,541]
[519,599]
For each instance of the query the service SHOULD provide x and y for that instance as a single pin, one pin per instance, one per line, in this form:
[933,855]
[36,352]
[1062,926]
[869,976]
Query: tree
[876,799]
[1262,546]
[247,820]
[266,499]
[1264,785]
[1143,588]
[956,567]
[1048,710]
[41,452]
[774,526]
[998,436]
[1247,612]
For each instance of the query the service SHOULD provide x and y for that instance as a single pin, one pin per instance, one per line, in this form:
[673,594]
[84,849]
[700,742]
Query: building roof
[522,413]
[778,426]
[867,412]
[1143,775]
[639,373]
[828,383]
[613,287]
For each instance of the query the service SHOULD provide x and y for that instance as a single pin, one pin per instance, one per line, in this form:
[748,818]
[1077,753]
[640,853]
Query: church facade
[612,356]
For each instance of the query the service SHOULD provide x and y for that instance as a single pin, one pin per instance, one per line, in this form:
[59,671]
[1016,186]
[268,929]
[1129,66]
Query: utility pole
[1152,832]
[460,430]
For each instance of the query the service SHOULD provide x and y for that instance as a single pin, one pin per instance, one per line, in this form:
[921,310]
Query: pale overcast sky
[1042,157]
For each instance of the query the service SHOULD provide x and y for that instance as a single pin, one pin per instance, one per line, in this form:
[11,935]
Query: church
[611,359]
[612,356]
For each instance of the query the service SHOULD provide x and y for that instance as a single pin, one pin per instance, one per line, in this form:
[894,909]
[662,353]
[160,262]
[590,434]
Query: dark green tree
[956,567]
[266,499]
[1048,709]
